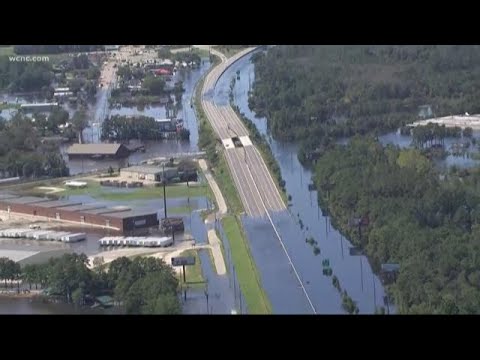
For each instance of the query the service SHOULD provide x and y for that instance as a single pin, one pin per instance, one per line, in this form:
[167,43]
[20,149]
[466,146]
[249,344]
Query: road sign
[184,260]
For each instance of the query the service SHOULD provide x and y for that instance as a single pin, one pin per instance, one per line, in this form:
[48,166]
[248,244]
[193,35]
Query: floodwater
[461,161]
[100,110]
[278,276]
[220,298]
[23,306]
[154,149]
[405,141]
[224,292]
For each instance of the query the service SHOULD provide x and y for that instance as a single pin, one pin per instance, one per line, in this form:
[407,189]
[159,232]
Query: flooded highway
[354,272]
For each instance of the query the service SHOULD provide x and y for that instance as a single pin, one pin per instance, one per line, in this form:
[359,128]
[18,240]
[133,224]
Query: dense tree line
[188,57]
[17,76]
[118,128]
[434,134]
[312,92]
[207,141]
[142,285]
[22,152]
[410,215]
[9,271]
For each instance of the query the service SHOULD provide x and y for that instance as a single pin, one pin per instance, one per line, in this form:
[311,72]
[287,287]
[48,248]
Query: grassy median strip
[248,277]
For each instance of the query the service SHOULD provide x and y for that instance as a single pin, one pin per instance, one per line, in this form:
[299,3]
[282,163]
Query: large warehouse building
[117,151]
[121,218]
[157,173]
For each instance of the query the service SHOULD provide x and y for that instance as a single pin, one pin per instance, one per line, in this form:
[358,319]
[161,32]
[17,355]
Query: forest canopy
[309,92]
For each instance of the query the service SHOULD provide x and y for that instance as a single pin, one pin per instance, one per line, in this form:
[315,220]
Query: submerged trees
[427,225]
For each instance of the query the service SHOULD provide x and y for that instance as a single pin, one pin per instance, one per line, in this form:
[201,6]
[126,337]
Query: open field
[95,190]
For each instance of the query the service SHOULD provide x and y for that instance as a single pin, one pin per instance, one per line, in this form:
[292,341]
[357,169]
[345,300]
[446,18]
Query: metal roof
[28,200]
[87,149]
[133,213]
[38,105]
[5,196]
[58,203]
[107,210]
[85,207]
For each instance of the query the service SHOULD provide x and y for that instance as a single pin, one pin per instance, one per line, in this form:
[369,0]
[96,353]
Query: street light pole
[164,199]
[206,293]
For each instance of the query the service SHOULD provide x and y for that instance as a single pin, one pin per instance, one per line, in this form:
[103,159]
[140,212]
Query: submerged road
[258,190]
[256,187]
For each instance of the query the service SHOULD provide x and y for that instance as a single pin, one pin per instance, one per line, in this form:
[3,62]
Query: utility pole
[164,191]
[234,286]
[240,302]
[361,272]
[184,282]
[164,199]
[206,293]
[341,243]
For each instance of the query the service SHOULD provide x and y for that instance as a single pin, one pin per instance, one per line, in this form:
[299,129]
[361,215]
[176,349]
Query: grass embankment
[245,268]
[203,53]
[248,277]
[229,50]
[194,274]
[194,50]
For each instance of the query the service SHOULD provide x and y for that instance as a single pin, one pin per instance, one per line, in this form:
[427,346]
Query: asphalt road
[255,185]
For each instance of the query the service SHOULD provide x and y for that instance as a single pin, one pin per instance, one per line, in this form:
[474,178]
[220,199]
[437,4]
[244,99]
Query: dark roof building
[84,207]
[4,196]
[57,203]
[98,150]
[27,200]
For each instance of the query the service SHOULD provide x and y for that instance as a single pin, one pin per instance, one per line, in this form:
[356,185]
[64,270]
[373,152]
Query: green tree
[79,123]
[153,85]
[468,132]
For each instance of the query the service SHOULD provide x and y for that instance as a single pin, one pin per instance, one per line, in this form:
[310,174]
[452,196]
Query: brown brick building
[120,218]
